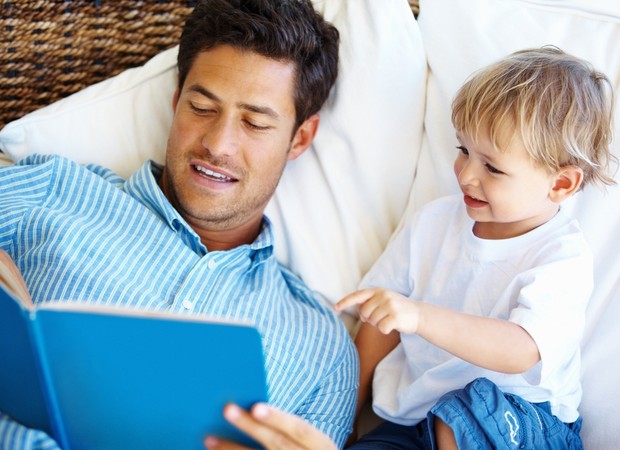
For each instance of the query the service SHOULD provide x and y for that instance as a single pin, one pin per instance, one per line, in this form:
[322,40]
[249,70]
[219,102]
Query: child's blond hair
[559,104]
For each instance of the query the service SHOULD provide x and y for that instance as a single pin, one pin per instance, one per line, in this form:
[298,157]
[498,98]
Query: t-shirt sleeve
[552,303]
[392,268]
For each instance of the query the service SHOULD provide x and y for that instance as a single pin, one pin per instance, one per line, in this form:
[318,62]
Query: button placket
[193,287]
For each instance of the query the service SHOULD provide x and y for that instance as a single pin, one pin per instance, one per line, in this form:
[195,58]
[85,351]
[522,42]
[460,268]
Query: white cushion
[117,123]
[337,205]
[460,37]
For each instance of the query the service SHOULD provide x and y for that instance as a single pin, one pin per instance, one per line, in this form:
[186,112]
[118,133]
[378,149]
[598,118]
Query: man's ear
[567,181]
[304,136]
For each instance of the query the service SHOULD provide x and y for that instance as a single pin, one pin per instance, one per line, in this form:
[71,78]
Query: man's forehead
[227,74]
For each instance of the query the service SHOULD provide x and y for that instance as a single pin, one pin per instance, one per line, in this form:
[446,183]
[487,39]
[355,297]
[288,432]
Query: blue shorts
[481,417]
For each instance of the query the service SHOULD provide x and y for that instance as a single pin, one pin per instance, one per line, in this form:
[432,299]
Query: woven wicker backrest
[50,49]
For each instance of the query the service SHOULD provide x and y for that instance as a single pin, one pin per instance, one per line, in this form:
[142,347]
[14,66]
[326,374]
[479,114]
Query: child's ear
[567,181]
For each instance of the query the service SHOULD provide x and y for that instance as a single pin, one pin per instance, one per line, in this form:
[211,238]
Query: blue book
[110,378]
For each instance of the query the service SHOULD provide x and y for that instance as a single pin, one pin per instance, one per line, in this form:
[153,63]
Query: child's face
[506,193]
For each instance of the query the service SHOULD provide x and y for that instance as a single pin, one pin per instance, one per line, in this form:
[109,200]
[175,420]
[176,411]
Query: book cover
[110,378]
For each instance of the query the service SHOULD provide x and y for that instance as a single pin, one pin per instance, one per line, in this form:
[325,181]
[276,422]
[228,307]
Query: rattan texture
[50,49]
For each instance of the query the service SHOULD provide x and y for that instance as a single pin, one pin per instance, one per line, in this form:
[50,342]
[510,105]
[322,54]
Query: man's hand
[272,428]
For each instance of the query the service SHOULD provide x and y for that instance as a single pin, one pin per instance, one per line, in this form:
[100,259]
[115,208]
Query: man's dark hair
[285,30]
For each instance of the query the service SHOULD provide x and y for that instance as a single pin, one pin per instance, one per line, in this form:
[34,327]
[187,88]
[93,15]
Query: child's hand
[384,309]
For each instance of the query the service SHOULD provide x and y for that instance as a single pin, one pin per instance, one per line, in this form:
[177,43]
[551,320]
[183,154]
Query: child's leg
[482,416]
[391,436]
[444,437]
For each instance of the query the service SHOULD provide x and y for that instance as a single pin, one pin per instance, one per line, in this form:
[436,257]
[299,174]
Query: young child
[480,298]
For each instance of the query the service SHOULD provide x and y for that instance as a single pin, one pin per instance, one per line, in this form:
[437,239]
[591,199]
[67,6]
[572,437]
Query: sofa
[93,81]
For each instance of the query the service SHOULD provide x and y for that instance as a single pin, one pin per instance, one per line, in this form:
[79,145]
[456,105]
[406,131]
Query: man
[252,78]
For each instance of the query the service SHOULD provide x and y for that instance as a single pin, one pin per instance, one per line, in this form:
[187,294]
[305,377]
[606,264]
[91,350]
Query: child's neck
[500,230]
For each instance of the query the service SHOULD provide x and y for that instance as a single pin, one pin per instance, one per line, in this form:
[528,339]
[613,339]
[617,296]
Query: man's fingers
[259,425]
[289,431]
[273,429]
[238,417]
[213,443]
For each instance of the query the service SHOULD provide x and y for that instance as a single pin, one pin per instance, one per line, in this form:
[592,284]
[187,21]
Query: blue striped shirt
[84,234]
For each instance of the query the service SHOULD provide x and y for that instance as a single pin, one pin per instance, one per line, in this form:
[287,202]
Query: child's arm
[494,344]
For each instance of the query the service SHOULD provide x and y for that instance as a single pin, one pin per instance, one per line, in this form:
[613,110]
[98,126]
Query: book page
[12,279]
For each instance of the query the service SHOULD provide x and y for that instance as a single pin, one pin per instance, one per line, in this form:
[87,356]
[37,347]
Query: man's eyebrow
[247,106]
[260,110]
[204,91]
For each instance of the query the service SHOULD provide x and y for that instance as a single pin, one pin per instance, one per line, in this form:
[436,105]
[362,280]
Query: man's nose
[221,137]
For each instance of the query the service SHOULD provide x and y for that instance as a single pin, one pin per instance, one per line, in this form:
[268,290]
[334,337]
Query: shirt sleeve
[552,303]
[23,186]
[14,436]
[332,407]
[392,268]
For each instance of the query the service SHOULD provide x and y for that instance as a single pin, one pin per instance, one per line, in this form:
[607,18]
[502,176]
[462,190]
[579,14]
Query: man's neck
[230,238]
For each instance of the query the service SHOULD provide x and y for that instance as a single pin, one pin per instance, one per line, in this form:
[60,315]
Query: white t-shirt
[541,280]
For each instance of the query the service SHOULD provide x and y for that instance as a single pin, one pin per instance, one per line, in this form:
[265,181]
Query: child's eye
[463,150]
[492,169]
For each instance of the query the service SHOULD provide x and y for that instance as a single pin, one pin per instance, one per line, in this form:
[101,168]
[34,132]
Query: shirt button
[187,304]
[211,264]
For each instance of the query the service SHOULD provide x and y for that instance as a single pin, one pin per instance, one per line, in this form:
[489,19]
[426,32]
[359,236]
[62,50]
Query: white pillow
[460,37]
[118,123]
[337,205]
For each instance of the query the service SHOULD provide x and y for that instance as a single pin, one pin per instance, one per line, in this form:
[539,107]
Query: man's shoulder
[33,173]
[39,160]
[43,158]
[60,163]
[55,176]
[54,164]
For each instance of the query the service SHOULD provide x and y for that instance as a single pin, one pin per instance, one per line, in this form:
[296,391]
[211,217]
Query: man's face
[230,138]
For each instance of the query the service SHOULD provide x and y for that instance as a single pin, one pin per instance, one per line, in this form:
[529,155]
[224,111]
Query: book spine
[38,341]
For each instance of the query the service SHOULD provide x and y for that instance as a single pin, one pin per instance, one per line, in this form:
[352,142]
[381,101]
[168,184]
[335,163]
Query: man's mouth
[212,175]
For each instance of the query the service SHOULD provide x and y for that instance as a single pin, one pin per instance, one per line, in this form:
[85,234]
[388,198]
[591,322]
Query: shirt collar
[143,186]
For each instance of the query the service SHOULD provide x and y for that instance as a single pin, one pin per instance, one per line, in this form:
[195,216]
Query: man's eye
[256,127]
[198,109]
[463,150]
